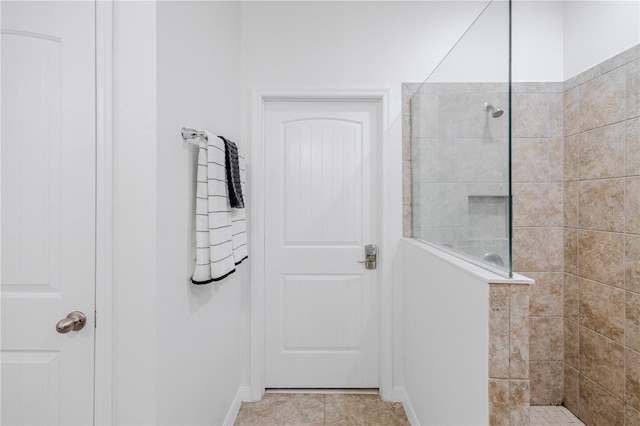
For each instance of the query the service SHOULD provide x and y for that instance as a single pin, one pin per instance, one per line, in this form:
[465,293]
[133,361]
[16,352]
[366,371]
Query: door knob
[74,321]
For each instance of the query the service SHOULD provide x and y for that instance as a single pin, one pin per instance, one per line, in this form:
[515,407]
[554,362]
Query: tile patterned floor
[551,415]
[309,409]
[278,409]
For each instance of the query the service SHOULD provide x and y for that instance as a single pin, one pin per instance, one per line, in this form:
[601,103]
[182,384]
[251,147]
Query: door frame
[260,97]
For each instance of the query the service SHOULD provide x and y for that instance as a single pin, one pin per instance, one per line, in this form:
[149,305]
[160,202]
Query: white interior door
[48,210]
[321,210]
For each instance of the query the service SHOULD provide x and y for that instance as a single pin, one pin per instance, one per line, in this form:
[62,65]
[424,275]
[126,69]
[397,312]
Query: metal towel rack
[192,134]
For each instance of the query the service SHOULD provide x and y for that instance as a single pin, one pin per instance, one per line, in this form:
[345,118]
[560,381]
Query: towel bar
[192,133]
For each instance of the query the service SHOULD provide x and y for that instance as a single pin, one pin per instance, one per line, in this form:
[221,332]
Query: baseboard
[400,394]
[397,394]
[242,395]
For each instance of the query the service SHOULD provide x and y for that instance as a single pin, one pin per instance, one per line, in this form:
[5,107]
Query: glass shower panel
[460,141]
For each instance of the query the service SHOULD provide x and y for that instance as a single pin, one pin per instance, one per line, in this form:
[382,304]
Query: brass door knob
[74,321]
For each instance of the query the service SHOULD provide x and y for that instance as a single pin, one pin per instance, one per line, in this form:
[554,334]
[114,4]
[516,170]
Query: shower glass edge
[460,132]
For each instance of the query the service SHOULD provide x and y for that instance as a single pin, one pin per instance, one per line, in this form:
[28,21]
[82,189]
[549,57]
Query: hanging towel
[216,224]
[233,174]
[238,219]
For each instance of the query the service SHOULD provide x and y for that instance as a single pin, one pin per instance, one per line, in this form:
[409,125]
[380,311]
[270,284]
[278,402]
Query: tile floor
[280,409]
[551,415]
[311,409]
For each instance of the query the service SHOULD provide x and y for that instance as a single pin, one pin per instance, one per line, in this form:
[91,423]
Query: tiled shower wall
[457,152]
[577,233]
[509,387]
[460,171]
[602,242]
[538,203]
[537,176]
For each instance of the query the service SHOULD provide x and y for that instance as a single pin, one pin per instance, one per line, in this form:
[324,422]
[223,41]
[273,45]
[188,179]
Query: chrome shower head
[495,112]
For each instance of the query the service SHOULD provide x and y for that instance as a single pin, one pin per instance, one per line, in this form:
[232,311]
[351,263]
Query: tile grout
[324,414]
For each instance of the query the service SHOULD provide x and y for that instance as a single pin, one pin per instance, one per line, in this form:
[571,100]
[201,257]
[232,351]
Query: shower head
[495,112]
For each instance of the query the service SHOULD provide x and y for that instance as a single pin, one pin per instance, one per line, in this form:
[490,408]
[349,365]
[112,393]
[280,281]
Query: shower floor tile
[552,415]
[278,409]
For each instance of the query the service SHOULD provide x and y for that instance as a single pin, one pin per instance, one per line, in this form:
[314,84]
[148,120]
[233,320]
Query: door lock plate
[370,256]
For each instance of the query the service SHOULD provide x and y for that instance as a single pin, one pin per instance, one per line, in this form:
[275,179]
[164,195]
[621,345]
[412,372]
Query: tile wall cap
[472,269]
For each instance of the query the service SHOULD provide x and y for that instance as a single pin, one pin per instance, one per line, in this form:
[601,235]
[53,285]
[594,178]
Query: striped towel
[232,163]
[221,237]
[239,220]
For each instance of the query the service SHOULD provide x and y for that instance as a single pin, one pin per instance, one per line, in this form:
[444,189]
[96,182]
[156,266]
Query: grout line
[600,282]
[577,240]
[613,123]
[509,340]
[624,261]
[602,388]
[324,413]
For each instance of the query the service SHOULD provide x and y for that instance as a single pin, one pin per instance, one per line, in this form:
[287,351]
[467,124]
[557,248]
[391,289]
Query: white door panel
[321,304]
[48,210]
[321,179]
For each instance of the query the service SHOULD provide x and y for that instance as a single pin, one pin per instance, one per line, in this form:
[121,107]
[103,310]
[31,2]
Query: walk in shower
[459,133]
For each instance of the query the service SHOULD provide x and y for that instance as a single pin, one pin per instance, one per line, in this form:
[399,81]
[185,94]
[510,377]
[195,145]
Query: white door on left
[48,210]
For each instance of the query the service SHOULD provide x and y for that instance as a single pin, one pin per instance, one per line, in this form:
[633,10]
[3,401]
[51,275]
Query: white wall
[383,43]
[347,44]
[538,33]
[351,45]
[202,342]
[186,356]
[134,215]
[378,44]
[482,55]
[446,349]
[552,40]
[597,30]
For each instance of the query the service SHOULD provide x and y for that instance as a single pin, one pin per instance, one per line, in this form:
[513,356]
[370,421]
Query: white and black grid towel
[221,233]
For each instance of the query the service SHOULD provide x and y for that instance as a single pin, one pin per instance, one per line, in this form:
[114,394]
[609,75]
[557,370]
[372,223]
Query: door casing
[257,234]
